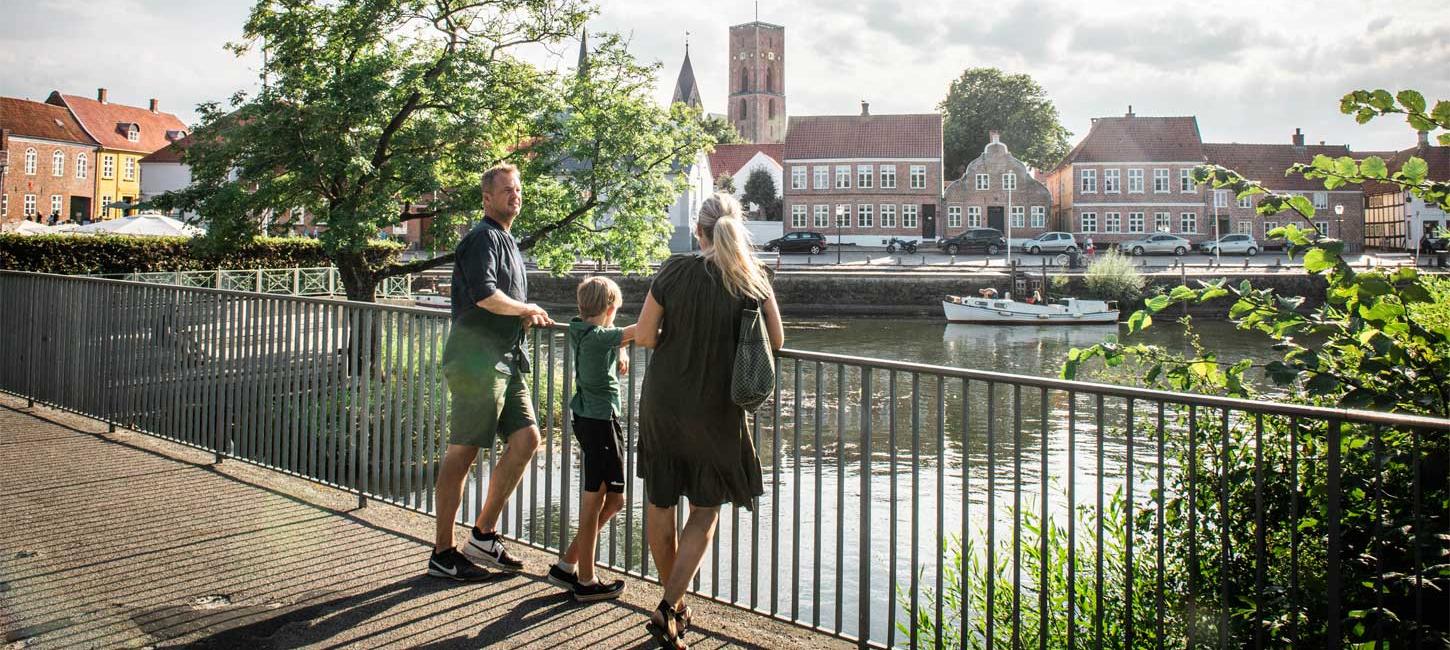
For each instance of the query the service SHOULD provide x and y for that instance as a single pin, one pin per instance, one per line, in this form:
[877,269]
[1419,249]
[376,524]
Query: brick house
[126,134]
[997,191]
[51,163]
[1130,176]
[863,178]
[1266,163]
[1396,219]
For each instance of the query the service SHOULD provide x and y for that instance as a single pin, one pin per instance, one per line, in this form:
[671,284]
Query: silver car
[1158,243]
[1050,242]
[1232,245]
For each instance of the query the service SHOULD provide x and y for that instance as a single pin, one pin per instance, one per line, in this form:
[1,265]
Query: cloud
[1170,40]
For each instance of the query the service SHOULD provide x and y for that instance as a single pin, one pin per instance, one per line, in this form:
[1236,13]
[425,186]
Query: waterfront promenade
[124,540]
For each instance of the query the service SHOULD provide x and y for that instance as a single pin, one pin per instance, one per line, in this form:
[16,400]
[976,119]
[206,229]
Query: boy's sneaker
[453,565]
[598,591]
[563,579]
[490,552]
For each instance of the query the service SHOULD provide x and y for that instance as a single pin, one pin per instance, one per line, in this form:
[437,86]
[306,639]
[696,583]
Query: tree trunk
[358,281]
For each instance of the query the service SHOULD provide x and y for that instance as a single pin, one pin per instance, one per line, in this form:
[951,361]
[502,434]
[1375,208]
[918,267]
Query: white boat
[1005,311]
[432,301]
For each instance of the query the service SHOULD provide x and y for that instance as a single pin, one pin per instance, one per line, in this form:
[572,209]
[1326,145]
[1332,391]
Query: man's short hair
[501,168]
[596,294]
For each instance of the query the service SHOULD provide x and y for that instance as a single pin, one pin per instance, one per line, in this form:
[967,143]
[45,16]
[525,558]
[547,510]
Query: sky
[1250,71]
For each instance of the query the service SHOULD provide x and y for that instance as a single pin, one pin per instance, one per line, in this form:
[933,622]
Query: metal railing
[300,281]
[905,504]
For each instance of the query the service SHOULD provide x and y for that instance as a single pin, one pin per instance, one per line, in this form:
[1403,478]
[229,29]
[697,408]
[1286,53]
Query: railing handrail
[1359,416]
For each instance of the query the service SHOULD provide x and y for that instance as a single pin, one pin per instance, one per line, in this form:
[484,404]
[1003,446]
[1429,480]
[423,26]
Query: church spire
[583,52]
[686,90]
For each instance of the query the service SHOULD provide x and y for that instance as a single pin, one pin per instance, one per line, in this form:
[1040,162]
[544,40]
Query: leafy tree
[760,191]
[725,183]
[987,99]
[721,130]
[369,107]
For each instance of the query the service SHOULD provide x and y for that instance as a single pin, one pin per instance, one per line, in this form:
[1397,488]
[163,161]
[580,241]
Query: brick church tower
[757,82]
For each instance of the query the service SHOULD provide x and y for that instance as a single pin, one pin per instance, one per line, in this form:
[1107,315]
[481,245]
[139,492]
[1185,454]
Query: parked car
[796,242]
[987,240]
[1051,242]
[1157,243]
[1231,245]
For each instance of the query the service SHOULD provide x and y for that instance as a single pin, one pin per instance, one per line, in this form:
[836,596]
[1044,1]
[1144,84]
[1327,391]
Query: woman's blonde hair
[722,222]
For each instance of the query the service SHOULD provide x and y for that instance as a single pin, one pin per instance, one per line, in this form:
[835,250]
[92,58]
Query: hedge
[112,254]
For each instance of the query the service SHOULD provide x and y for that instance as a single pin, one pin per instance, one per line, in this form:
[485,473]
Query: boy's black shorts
[602,444]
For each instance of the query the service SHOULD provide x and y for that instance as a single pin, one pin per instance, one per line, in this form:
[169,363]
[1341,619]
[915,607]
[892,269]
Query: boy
[596,343]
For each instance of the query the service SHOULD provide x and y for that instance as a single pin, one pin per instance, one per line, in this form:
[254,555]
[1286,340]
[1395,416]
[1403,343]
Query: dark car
[988,240]
[796,242]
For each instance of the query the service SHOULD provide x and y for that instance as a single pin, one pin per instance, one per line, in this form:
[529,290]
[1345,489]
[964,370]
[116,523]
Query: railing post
[1332,557]
[296,281]
[863,595]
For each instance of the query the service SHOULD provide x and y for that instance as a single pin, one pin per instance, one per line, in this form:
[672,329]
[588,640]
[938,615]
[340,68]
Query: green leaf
[1420,123]
[1382,311]
[1138,321]
[1382,100]
[1412,100]
[1415,169]
[1322,384]
[1157,303]
[1181,293]
[1374,167]
[1441,113]
[1303,204]
[1316,260]
[1281,373]
[1345,166]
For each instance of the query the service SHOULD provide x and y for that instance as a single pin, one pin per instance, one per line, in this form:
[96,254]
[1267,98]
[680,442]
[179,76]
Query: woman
[693,439]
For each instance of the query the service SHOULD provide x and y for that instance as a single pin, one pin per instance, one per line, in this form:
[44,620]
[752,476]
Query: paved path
[123,540]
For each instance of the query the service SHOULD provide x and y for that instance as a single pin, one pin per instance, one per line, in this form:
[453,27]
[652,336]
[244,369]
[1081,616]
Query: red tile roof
[1438,158]
[1139,139]
[102,122]
[39,120]
[729,158]
[864,136]
[1266,162]
[170,153]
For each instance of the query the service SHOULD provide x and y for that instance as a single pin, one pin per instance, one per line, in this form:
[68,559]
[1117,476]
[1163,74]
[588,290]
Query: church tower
[687,91]
[757,82]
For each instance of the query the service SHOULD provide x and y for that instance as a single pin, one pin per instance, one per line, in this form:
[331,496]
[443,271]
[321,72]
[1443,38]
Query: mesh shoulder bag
[752,380]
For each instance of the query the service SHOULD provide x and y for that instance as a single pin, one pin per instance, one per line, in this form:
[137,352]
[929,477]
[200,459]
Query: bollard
[953,261]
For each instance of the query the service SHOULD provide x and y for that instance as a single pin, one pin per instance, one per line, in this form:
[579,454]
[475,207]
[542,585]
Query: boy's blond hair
[596,294]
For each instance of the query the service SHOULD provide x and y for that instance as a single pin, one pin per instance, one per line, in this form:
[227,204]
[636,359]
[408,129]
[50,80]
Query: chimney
[995,136]
[1298,137]
[101,95]
[154,105]
[865,109]
[1424,138]
[1130,111]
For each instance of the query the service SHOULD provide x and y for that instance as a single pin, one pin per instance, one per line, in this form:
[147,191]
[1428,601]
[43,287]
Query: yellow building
[126,135]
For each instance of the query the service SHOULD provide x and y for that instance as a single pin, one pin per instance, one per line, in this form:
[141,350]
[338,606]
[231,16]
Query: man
[484,364]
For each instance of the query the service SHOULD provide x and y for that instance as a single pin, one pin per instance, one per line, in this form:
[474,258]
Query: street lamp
[1339,219]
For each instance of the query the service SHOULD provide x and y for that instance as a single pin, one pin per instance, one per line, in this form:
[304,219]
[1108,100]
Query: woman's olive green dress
[693,439]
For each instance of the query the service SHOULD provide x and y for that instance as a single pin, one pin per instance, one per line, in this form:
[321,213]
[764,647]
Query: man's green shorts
[486,404]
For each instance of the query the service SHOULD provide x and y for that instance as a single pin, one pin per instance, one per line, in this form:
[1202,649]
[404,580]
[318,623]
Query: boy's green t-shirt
[596,379]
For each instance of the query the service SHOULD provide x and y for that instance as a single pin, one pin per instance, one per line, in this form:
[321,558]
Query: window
[1112,222]
[888,178]
[797,216]
[1162,222]
[863,215]
[30,162]
[133,133]
[1039,216]
[918,180]
[1269,227]
[1088,222]
[1321,199]
[744,114]
[974,216]
[822,215]
[1112,183]
[1322,227]
[55,204]
[1135,222]
[108,166]
[1185,181]
[1220,198]
[82,163]
[1188,223]
[798,177]
[843,216]
[105,201]
[130,168]
[954,216]
[57,163]
[1244,227]
[1019,216]
[820,177]
[1009,181]
[908,215]
[843,177]
[1246,202]
[4,205]
[1160,181]
[29,205]
[984,181]
[1089,181]
[864,174]
[888,216]
[1135,181]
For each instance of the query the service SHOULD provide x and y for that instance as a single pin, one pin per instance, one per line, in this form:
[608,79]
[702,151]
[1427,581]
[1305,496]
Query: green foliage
[760,191]
[111,254]
[725,183]
[1112,277]
[987,99]
[720,130]
[369,107]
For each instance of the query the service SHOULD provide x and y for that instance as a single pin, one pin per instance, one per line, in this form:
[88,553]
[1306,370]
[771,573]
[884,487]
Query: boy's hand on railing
[624,364]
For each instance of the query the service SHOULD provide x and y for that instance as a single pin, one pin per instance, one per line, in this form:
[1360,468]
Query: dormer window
[132,131]
[172,135]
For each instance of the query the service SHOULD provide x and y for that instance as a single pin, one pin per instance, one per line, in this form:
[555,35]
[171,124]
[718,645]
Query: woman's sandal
[665,630]
[682,620]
